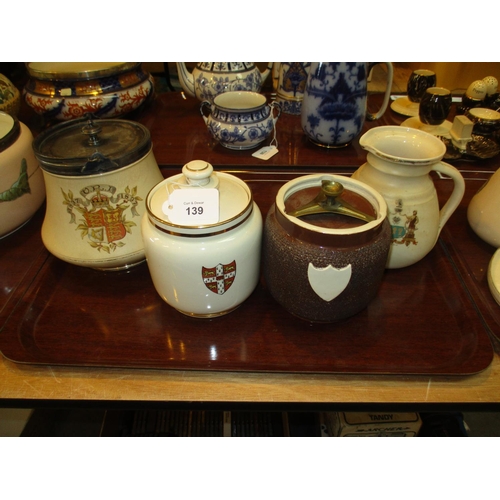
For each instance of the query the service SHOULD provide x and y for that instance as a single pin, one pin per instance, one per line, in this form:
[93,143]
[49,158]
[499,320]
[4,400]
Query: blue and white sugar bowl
[240,120]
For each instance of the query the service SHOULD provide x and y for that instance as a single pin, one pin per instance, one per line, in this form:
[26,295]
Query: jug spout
[402,145]
[186,79]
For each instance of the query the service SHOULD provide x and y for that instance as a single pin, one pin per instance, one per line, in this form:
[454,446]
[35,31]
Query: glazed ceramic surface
[398,165]
[64,91]
[22,188]
[289,81]
[97,177]
[483,212]
[240,120]
[486,121]
[203,269]
[435,106]
[324,268]
[420,80]
[10,98]
[209,79]
[334,107]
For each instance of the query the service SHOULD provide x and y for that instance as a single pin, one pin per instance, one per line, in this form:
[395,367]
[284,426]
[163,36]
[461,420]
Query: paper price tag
[192,207]
[265,153]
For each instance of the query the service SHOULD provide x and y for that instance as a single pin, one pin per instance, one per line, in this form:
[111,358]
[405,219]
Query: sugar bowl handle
[202,106]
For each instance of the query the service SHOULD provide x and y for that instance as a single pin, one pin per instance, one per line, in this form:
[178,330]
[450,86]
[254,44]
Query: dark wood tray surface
[472,255]
[423,321]
[21,254]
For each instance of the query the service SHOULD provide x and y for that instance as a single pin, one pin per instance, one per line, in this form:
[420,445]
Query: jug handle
[202,105]
[456,196]
[388,90]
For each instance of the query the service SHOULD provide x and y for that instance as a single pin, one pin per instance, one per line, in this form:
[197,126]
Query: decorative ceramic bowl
[240,120]
[22,188]
[63,91]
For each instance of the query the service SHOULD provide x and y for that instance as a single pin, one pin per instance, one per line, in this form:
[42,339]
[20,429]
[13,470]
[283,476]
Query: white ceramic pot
[97,175]
[483,212]
[398,165]
[240,120]
[204,264]
[22,188]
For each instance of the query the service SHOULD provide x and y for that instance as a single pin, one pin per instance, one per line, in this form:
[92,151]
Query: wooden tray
[472,255]
[422,322]
[21,254]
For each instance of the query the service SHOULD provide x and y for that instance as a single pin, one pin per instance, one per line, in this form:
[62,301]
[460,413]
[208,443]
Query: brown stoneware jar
[325,267]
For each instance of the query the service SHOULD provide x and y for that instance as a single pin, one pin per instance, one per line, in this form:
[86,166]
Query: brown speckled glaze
[286,258]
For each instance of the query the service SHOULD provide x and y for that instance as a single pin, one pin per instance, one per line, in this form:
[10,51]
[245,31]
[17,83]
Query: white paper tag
[266,152]
[192,207]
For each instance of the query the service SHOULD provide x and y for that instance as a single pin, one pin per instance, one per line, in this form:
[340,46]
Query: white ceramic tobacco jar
[97,175]
[22,189]
[326,242]
[202,237]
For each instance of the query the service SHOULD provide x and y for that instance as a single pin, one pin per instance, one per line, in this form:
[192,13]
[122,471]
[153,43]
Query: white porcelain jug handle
[387,95]
[456,196]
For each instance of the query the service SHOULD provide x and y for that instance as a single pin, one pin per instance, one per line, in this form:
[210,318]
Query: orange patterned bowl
[64,91]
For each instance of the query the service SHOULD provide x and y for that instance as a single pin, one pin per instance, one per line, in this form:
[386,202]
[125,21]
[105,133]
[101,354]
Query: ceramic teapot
[210,79]
[334,107]
[483,212]
[398,165]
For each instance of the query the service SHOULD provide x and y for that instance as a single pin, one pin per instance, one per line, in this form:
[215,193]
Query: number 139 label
[192,207]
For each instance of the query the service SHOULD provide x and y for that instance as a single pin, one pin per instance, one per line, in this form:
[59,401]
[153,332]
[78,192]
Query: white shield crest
[329,282]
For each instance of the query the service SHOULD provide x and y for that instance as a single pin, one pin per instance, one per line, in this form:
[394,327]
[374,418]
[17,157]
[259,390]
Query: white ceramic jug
[483,212]
[398,165]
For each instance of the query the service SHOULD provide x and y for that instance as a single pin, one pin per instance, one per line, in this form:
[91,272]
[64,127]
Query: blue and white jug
[334,107]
